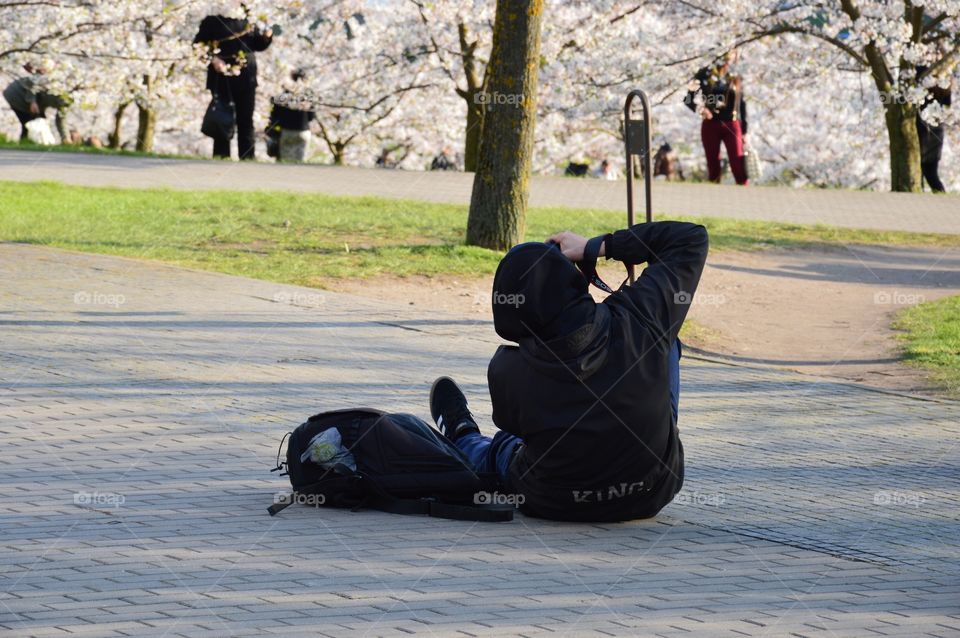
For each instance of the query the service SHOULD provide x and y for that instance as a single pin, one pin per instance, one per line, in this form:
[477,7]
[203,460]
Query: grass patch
[309,238]
[931,340]
[697,334]
[26,145]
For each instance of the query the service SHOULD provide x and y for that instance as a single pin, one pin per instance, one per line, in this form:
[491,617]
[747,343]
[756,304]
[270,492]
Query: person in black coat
[931,137]
[587,400]
[232,43]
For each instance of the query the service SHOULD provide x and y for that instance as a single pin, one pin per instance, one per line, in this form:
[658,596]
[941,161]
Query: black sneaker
[448,407]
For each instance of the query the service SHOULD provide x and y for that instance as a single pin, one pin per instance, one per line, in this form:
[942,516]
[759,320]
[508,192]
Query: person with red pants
[724,113]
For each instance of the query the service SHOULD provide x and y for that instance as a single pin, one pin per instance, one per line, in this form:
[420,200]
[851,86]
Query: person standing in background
[29,101]
[290,115]
[931,137]
[232,43]
[724,113]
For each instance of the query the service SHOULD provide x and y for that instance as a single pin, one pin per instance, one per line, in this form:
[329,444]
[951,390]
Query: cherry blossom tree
[458,34]
[406,75]
[359,68]
[103,55]
[906,46]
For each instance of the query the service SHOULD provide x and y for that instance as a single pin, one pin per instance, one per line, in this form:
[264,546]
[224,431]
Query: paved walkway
[853,209]
[140,410]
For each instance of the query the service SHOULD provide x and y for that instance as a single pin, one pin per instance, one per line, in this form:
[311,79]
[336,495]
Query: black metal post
[636,136]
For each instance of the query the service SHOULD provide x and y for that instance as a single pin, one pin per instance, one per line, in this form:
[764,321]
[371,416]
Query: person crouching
[290,118]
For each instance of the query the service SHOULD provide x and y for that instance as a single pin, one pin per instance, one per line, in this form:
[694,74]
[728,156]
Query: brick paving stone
[810,508]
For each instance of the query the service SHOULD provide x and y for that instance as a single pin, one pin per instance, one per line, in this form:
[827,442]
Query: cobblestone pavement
[140,410]
[852,209]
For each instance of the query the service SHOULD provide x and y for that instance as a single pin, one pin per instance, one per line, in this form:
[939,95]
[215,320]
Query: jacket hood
[580,353]
[539,294]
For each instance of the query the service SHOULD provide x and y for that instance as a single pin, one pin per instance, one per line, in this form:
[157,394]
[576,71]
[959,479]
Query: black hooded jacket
[587,386]
[234,41]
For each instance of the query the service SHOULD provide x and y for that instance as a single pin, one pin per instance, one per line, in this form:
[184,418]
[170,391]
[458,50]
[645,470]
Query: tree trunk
[145,129]
[499,201]
[905,173]
[148,118]
[472,96]
[901,118]
[471,147]
[337,149]
[114,137]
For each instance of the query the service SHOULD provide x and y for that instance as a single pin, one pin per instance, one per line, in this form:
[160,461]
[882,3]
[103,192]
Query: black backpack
[403,465]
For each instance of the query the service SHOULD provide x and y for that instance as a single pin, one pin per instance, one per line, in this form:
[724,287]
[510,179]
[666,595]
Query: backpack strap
[280,465]
[276,508]
[482,513]
[437,509]
[339,468]
[381,500]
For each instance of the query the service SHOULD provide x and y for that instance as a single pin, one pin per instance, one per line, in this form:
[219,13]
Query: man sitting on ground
[587,401]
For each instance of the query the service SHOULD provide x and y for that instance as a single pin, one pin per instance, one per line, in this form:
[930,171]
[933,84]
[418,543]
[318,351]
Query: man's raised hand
[571,244]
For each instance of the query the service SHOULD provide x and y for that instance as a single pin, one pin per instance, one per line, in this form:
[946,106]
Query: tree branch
[468,57]
[881,73]
[914,17]
[621,16]
[699,8]
[935,22]
[81,29]
[786,28]
[945,64]
[433,41]
[370,107]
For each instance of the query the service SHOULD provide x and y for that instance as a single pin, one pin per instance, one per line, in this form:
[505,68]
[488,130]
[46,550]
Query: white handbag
[38,132]
[752,162]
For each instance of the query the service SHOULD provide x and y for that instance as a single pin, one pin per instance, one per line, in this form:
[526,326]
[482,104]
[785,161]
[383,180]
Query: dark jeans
[244,101]
[712,134]
[494,455]
[931,149]
[24,118]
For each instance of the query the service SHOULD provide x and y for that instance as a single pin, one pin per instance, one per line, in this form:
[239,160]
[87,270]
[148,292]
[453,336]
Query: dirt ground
[821,312]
